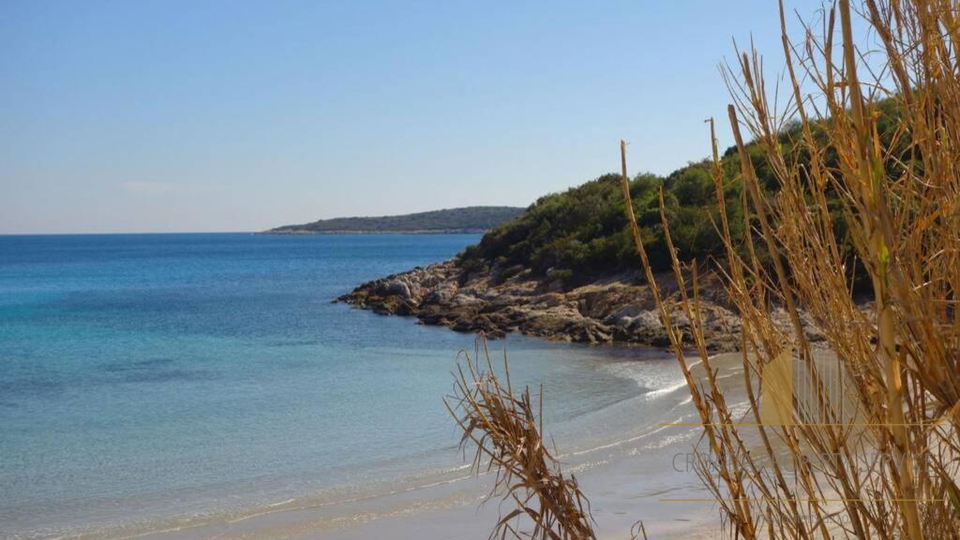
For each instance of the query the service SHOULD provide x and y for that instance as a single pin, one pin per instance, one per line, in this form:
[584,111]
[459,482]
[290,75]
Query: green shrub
[583,233]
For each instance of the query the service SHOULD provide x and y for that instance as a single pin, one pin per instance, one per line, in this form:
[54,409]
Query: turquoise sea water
[152,379]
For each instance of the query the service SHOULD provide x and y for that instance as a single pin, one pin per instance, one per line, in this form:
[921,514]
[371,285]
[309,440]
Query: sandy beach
[644,477]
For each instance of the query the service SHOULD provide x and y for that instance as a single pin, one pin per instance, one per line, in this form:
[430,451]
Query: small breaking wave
[655,379]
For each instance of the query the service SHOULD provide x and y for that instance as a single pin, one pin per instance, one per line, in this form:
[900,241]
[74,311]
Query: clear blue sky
[224,116]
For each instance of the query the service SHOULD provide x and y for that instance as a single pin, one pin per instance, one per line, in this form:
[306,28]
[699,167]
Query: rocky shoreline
[617,309]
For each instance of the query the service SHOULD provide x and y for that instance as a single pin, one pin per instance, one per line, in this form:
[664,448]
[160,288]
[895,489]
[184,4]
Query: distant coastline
[360,231]
[466,220]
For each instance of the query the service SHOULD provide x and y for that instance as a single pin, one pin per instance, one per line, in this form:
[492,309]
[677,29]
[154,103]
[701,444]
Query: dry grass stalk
[899,196]
[899,191]
[638,531]
[508,438]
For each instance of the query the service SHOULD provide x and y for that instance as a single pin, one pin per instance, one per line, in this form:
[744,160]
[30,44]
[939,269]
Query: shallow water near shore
[157,382]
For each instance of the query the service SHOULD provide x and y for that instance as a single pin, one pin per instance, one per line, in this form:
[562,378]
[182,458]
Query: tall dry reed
[507,435]
[899,192]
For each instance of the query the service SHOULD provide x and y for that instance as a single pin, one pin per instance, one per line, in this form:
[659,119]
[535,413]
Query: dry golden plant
[899,194]
[508,438]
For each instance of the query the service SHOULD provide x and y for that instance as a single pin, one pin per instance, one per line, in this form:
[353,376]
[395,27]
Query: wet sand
[640,478]
[625,484]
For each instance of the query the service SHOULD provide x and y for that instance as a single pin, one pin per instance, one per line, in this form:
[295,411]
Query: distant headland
[470,219]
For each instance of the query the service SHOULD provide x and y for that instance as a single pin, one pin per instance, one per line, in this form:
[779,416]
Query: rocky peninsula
[620,308]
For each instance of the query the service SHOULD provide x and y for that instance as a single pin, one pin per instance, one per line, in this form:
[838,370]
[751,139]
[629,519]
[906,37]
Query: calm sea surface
[151,379]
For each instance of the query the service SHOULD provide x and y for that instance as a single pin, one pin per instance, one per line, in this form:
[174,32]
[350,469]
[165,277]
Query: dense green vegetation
[469,219]
[582,233]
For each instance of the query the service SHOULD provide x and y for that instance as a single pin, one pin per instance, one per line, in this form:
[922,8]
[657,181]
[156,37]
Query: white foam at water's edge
[654,379]
[668,390]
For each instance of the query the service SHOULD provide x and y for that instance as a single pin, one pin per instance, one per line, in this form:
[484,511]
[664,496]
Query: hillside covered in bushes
[567,267]
[582,234]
